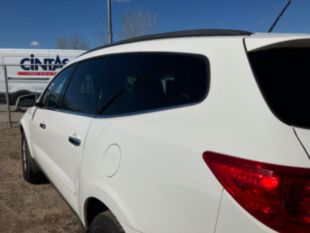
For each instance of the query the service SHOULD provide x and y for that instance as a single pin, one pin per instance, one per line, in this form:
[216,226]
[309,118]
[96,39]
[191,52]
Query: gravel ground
[25,207]
[15,116]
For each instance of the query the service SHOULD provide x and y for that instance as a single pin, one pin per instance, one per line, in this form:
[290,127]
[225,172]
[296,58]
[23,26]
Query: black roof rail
[166,35]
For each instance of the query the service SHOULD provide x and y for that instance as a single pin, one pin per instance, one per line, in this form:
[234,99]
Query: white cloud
[35,43]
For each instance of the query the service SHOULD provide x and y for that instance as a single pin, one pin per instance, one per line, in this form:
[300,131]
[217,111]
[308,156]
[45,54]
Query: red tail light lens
[278,196]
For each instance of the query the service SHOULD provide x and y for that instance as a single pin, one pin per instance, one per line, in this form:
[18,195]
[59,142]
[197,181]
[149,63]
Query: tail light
[278,196]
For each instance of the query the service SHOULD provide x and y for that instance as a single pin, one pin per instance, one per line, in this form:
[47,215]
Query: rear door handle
[74,141]
[43,126]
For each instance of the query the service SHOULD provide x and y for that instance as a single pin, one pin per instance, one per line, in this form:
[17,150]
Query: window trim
[204,58]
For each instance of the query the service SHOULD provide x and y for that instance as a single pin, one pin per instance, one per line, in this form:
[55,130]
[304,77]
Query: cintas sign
[41,67]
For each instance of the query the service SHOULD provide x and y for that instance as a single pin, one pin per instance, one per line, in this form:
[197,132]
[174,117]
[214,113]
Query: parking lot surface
[25,207]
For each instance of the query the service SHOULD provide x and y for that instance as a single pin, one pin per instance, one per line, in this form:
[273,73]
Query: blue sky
[22,22]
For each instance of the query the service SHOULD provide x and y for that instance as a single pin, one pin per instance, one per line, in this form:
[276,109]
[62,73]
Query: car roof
[178,34]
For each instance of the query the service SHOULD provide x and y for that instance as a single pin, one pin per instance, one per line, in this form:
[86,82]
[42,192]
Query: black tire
[105,223]
[31,171]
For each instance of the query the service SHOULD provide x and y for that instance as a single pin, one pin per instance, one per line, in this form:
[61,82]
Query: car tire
[105,222]
[31,171]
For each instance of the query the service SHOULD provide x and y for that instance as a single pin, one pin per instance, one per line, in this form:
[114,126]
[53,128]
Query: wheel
[105,223]
[31,171]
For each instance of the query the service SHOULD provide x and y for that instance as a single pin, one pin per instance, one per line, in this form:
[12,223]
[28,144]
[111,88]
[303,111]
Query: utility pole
[110,36]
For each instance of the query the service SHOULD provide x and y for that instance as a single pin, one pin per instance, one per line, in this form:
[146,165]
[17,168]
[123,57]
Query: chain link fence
[15,83]
[5,108]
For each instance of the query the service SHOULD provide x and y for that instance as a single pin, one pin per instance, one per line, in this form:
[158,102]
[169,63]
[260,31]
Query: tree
[75,42]
[62,43]
[138,23]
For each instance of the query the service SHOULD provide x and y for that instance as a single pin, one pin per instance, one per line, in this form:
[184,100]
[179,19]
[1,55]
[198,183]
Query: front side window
[82,92]
[52,95]
[136,82]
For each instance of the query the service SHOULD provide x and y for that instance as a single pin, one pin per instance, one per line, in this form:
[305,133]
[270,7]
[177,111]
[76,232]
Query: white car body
[147,169]
[30,70]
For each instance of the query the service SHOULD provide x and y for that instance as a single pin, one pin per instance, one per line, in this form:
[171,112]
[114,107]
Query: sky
[39,23]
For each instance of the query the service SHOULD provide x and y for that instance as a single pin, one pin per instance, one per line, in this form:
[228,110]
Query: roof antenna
[280,15]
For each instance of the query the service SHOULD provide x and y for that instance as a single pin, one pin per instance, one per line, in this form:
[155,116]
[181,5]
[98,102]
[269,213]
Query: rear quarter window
[283,75]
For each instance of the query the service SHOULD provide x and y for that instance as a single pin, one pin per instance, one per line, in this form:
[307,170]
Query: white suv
[200,131]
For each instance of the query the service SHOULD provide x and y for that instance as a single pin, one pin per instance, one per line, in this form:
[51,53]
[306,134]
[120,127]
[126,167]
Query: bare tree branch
[79,43]
[138,23]
[62,43]
[75,42]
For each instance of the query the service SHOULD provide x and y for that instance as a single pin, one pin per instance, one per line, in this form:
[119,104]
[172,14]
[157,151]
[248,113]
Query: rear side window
[283,76]
[138,82]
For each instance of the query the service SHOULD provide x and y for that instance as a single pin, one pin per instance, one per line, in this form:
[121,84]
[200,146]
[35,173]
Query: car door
[69,126]
[41,120]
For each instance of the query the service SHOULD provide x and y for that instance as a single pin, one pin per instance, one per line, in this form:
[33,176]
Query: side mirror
[26,101]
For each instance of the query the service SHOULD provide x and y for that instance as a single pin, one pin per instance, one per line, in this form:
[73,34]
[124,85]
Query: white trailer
[30,70]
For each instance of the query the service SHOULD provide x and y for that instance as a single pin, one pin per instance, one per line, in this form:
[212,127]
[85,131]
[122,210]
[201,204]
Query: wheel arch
[92,208]
[24,130]
[105,201]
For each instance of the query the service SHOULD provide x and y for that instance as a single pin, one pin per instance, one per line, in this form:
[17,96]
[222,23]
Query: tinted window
[82,93]
[149,81]
[52,96]
[284,78]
